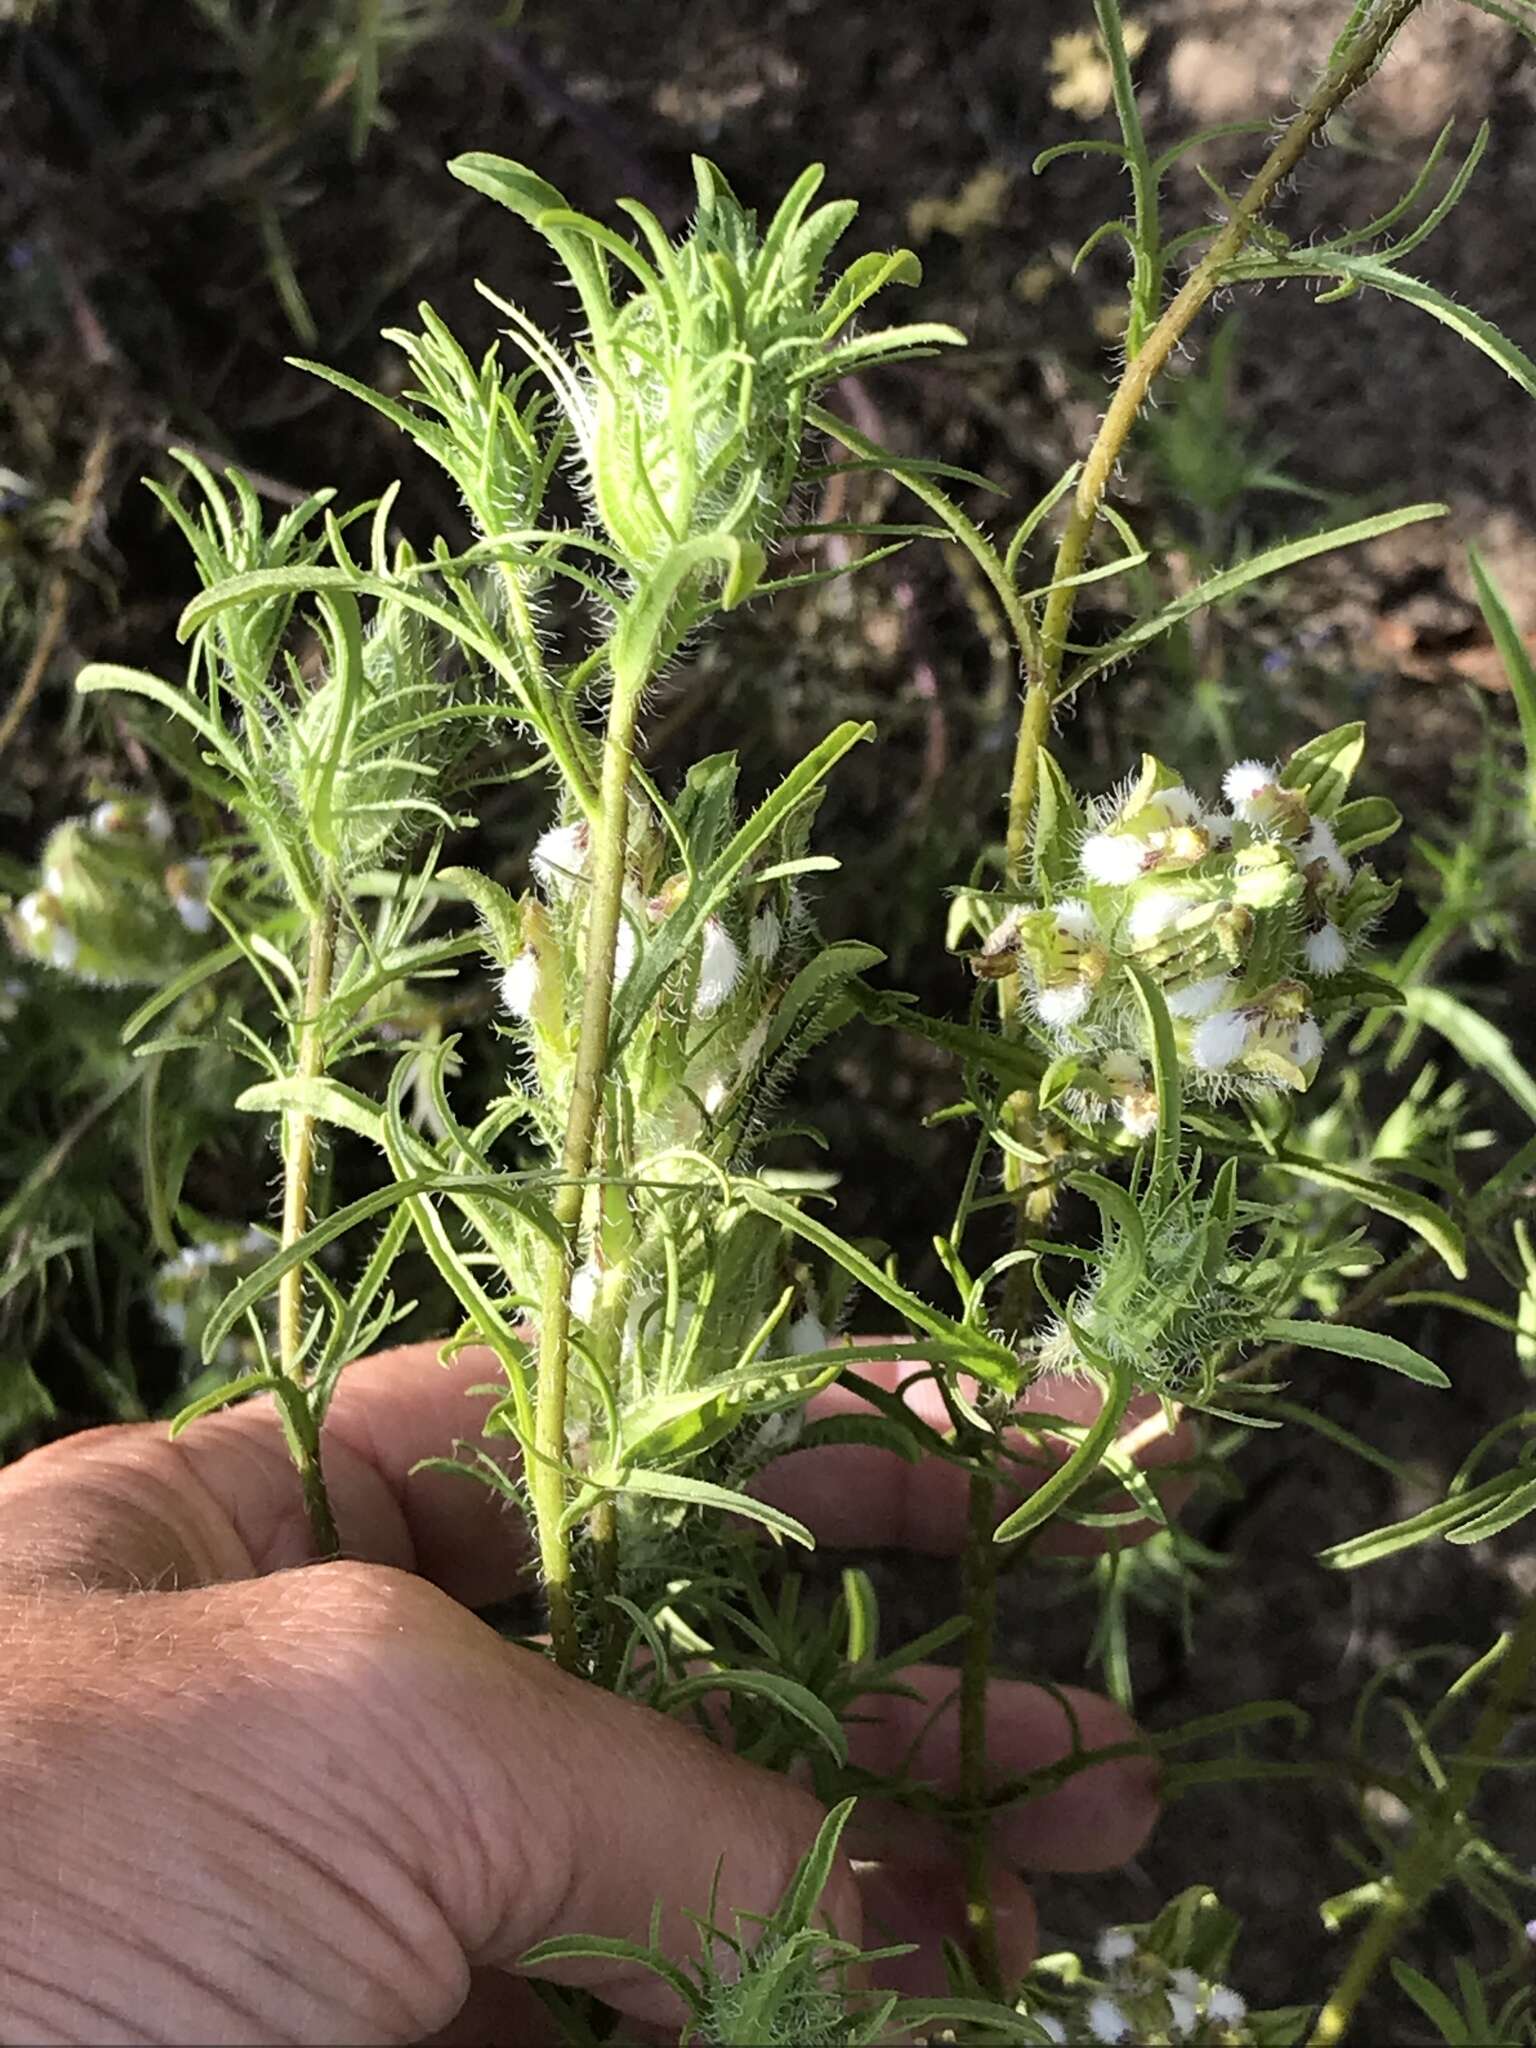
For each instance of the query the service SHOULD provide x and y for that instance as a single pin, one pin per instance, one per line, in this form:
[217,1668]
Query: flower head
[1326,950]
[519,986]
[1107,2023]
[719,969]
[559,858]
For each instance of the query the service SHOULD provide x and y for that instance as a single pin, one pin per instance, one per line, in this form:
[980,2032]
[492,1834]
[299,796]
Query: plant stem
[547,1483]
[1352,66]
[979,1594]
[298,1174]
[1424,1864]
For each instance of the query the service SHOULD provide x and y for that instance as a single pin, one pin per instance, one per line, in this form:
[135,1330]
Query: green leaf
[1347,1342]
[221,1396]
[1324,767]
[1516,1504]
[1439,2010]
[1056,1491]
[608,1948]
[704,1493]
[972,1350]
[1403,1205]
[817,979]
[686,924]
[1365,823]
[1436,1520]
[796,1911]
[779,1691]
[1518,666]
[1227,582]
[330,1102]
[1480,1043]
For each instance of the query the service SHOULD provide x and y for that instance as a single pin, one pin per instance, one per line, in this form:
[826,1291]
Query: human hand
[249,1803]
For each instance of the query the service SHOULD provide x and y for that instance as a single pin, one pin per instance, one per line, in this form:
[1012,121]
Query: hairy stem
[1424,1864]
[298,1176]
[547,1482]
[979,1593]
[1352,66]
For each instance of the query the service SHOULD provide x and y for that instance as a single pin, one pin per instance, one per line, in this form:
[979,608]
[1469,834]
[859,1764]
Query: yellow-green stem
[298,1176]
[1426,1861]
[546,1479]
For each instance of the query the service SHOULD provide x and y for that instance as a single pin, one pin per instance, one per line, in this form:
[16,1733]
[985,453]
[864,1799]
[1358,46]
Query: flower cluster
[1248,914]
[115,902]
[1138,1990]
[686,404]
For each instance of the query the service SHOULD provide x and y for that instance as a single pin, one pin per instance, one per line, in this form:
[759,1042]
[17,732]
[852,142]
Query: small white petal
[63,948]
[1220,1039]
[106,819]
[1326,950]
[520,984]
[765,936]
[585,1282]
[35,920]
[193,912]
[1115,1945]
[157,823]
[1183,2012]
[174,1316]
[1196,998]
[1107,2023]
[805,1334]
[1113,858]
[1217,827]
[1058,1006]
[1153,912]
[1226,2006]
[54,881]
[1322,844]
[559,858]
[1122,1066]
[1074,920]
[1187,1983]
[1307,1044]
[719,969]
[1245,780]
[1050,2026]
[626,947]
[255,1240]
[1181,804]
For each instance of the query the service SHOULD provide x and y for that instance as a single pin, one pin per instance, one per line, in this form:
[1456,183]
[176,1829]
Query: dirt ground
[140,310]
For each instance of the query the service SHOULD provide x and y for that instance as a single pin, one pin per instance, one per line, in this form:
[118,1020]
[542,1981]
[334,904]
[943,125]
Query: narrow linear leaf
[1345,1341]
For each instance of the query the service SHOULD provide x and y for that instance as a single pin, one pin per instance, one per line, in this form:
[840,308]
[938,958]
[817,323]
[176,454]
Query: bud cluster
[1248,914]
[115,902]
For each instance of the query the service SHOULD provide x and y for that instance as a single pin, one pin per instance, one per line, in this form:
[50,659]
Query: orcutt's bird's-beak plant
[1160,977]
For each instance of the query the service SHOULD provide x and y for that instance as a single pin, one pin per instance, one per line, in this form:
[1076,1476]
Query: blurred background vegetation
[192,189]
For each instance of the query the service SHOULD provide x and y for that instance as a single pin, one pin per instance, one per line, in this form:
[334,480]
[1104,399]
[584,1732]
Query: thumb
[304,1807]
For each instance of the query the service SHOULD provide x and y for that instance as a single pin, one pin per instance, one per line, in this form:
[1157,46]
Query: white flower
[1326,950]
[1196,998]
[805,1334]
[1050,2026]
[585,1282]
[1115,1945]
[764,936]
[1225,2006]
[106,819]
[1138,1113]
[1074,920]
[35,920]
[559,859]
[63,948]
[520,984]
[55,881]
[719,969]
[1244,781]
[1217,827]
[1181,804]
[174,1316]
[255,1240]
[1113,858]
[1307,1044]
[1106,2022]
[189,896]
[625,947]
[1322,844]
[1187,1984]
[1183,2012]
[1153,913]
[1122,1066]
[1056,1007]
[157,822]
[1220,1039]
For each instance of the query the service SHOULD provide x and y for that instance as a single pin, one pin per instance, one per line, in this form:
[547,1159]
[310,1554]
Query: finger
[1097,1817]
[924,1906]
[126,1507]
[856,1495]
